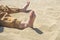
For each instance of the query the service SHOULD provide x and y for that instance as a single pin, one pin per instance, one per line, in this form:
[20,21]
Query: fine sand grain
[46,25]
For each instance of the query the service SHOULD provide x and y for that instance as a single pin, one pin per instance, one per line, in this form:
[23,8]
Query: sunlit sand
[46,25]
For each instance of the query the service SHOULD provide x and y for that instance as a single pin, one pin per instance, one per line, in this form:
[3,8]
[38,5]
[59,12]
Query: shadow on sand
[37,30]
[1,29]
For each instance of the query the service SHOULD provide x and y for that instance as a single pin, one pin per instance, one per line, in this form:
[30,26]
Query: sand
[46,25]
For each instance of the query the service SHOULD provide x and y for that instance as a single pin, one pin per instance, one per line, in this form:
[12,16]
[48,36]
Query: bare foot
[28,2]
[32,19]
[32,15]
[26,6]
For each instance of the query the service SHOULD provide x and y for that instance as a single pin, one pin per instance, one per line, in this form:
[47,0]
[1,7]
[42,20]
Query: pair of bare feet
[31,19]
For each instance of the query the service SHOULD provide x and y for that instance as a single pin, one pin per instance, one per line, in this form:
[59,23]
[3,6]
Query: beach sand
[46,25]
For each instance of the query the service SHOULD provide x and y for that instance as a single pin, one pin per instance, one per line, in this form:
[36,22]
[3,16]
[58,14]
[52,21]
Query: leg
[16,10]
[30,21]
[13,23]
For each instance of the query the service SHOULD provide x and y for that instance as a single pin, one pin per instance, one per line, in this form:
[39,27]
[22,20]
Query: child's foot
[32,19]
